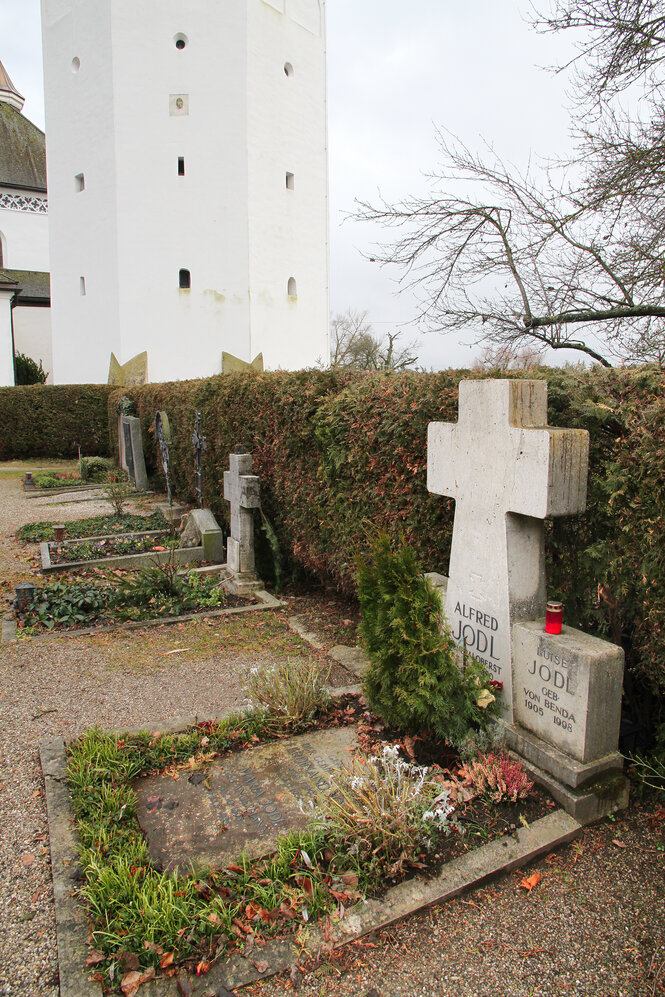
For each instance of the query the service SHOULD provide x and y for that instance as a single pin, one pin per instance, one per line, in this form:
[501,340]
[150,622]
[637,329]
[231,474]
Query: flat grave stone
[241,803]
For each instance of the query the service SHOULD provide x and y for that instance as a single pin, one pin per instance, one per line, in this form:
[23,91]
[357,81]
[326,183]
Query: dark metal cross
[163,434]
[200,444]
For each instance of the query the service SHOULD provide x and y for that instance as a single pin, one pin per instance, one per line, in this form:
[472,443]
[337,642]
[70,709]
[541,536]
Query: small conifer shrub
[416,681]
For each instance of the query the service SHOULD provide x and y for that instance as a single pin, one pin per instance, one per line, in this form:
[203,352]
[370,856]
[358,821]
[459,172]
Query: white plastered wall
[6,355]
[32,335]
[229,220]
[24,236]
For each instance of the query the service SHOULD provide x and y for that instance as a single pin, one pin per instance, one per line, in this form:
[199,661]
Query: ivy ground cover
[95,598]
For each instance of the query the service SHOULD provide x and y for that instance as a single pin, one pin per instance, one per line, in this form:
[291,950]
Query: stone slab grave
[242,491]
[240,803]
[258,794]
[508,471]
[130,446]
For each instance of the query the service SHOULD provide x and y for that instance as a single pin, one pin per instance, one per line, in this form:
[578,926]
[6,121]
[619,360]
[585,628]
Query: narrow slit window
[291,288]
[79,181]
[290,181]
[184,280]
[82,286]
[181,166]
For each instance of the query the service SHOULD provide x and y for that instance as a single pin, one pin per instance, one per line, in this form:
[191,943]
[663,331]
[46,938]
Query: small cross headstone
[241,489]
[199,444]
[163,435]
[508,471]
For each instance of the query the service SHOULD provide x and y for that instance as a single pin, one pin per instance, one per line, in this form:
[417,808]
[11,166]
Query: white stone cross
[507,470]
[241,489]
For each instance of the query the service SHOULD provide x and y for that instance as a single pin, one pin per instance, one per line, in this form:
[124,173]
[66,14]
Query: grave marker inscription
[507,470]
[239,803]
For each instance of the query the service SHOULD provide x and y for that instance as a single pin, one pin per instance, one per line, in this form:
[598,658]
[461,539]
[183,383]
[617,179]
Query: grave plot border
[467,872]
[36,492]
[265,601]
[183,555]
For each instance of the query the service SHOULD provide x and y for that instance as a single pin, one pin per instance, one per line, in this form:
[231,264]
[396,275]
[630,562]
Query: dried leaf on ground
[531,881]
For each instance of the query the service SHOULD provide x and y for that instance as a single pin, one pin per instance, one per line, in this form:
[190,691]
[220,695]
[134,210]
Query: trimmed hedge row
[338,452]
[43,420]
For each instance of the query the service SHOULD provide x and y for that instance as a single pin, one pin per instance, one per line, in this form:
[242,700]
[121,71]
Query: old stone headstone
[241,489]
[567,694]
[241,803]
[201,529]
[507,470]
[131,451]
[163,437]
[200,444]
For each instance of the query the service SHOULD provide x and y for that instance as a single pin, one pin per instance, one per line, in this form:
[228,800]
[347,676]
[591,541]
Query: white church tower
[187,175]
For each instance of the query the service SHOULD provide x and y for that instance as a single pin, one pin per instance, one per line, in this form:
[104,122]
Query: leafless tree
[353,344]
[572,256]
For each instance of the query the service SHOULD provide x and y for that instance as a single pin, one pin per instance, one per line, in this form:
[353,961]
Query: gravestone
[200,445]
[163,437]
[131,451]
[241,489]
[201,529]
[507,470]
[240,803]
[567,693]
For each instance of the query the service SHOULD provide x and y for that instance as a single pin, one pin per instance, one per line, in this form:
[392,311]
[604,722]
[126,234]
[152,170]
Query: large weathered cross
[241,489]
[507,470]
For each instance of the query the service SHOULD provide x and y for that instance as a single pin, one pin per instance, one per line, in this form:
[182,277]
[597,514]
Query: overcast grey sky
[396,71]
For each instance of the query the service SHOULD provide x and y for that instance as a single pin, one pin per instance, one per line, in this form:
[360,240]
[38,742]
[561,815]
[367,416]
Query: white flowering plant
[386,811]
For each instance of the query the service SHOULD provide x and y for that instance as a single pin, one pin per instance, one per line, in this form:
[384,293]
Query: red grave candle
[553,617]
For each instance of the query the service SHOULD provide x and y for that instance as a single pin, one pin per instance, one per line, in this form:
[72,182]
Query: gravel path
[65,685]
[594,926]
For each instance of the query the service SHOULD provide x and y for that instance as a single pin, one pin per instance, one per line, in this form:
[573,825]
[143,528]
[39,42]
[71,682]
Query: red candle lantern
[553,617]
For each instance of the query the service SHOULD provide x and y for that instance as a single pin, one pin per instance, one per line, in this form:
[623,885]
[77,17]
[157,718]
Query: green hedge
[338,450]
[41,420]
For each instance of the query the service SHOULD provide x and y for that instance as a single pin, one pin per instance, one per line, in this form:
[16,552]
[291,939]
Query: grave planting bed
[210,828]
[93,598]
[93,526]
[120,550]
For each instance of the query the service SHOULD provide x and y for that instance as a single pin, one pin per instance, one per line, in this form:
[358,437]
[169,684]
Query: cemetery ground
[593,924]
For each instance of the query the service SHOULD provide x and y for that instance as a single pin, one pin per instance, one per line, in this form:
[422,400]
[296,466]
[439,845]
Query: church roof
[34,285]
[22,144]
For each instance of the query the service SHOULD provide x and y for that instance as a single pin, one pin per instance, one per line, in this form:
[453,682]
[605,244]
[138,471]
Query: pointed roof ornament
[8,92]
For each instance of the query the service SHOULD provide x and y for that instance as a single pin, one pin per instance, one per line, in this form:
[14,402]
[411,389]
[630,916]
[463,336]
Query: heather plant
[385,811]
[417,680]
[497,776]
